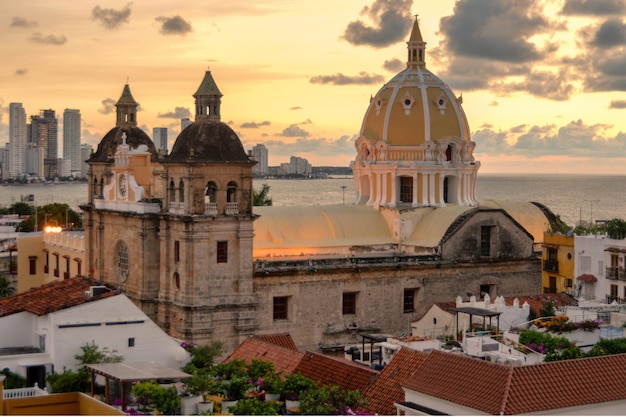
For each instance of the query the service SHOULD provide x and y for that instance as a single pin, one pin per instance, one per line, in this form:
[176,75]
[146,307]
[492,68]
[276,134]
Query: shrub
[255,407]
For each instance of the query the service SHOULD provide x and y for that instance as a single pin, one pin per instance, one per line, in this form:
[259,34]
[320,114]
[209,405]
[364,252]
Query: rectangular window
[409,300]
[46,267]
[56,265]
[176,251]
[570,283]
[79,266]
[42,342]
[32,263]
[66,275]
[349,303]
[487,289]
[485,240]
[281,308]
[222,251]
[131,341]
[406,189]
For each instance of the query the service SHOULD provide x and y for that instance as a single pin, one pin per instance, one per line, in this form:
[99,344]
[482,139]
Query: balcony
[232,209]
[551,265]
[615,273]
[611,298]
[210,209]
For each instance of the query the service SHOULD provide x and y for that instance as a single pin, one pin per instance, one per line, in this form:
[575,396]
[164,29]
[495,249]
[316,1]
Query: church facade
[178,233]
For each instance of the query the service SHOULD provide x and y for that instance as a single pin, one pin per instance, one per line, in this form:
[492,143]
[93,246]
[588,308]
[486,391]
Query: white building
[71,139]
[64,167]
[184,122]
[34,160]
[159,137]
[260,155]
[599,268]
[48,325]
[17,140]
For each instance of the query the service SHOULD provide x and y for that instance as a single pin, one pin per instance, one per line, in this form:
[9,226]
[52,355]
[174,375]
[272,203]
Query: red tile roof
[52,297]
[494,388]
[283,339]
[387,388]
[336,371]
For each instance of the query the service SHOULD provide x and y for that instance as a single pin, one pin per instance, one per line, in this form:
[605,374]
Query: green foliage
[616,228]
[296,385]
[199,382]
[93,354]
[261,197]
[236,387]
[70,381]
[52,215]
[255,407]
[203,357]
[149,394]
[229,370]
[571,352]
[13,380]
[547,309]
[330,400]
[258,368]
[6,289]
[608,347]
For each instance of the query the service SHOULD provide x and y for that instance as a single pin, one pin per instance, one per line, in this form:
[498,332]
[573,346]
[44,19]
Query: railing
[551,265]
[210,209]
[615,273]
[34,391]
[232,209]
[611,298]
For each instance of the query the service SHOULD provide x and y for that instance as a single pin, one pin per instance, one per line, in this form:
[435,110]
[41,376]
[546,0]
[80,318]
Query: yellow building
[557,272]
[46,257]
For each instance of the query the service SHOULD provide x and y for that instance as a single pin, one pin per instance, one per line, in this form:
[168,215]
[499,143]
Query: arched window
[177,280]
[181,191]
[211,192]
[101,187]
[95,187]
[231,192]
[172,191]
[449,153]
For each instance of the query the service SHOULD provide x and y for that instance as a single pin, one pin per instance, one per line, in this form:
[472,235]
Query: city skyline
[542,83]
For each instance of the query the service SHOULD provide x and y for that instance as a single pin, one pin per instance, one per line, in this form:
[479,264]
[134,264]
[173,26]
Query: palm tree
[6,289]
[260,197]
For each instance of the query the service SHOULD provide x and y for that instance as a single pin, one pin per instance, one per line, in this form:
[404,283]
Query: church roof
[109,143]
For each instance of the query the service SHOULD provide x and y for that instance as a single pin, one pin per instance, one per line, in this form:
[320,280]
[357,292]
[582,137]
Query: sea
[574,197]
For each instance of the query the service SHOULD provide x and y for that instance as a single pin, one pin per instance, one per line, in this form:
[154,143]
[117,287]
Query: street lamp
[343,194]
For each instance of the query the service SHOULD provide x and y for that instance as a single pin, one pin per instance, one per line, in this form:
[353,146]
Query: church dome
[208,139]
[415,106]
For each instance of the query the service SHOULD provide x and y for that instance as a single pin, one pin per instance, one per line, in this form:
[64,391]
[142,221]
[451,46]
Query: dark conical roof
[134,137]
[208,141]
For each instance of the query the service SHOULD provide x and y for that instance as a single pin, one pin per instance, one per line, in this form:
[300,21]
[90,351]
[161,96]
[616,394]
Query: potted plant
[273,387]
[151,395]
[194,389]
[234,390]
[295,386]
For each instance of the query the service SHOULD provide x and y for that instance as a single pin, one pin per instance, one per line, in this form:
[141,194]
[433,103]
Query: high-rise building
[43,132]
[34,160]
[64,168]
[85,152]
[159,137]
[71,138]
[184,122]
[259,154]
[4,162]
[17,140]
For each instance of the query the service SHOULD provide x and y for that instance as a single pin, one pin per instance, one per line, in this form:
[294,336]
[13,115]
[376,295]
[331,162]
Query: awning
[615,249]
[587,278]
[550,245]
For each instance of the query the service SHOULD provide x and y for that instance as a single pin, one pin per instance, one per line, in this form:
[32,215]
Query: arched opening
[95,187]
[181,192]
[177,280]
[231,192]
[445,190]
[210,195]
[449,153]
[101,187]
[364,189]
[172,192]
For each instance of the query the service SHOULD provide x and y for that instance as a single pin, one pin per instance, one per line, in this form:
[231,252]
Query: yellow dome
[415,106]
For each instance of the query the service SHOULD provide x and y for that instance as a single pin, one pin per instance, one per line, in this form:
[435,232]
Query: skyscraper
[159,137]
[43,132]
[259,153]
[184,122]
[17,140]
[85,152]
[71,138]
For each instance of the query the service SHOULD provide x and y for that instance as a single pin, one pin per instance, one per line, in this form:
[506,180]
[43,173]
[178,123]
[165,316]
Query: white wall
[17,330]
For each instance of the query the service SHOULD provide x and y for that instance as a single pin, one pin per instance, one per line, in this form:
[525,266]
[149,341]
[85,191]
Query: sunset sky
[543,81]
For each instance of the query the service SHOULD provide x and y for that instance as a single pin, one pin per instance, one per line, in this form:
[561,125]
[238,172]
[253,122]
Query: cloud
[391,21]
[340,79]
[21,71]
[178,113]
[108,106]
[174,25]
[593,7]
[343,145]
[296,108]
[541,84]
[617,104]
[254,125]
[394,65]
[20,22]
[294,131]
[48,39]
[111,18]
[610,33]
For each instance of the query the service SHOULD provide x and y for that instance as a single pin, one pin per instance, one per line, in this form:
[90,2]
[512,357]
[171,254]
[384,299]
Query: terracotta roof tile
[52,297]
[494,388]
[336,371]
[387,389]
[282,339]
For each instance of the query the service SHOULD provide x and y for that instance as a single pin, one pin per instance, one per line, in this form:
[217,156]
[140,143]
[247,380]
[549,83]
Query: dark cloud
[48,39]
[494,103]
[495,29]
[108,106]
[111,18]
[617,104]
[610,33]
[593,7]
[178,113]
[343,145]
[174,25]
[540,84]
[391,20]
[607,73]
[294,131]
[296,108]
[340,79]
[254,125]
[394,65]
[20,22]
[21,71]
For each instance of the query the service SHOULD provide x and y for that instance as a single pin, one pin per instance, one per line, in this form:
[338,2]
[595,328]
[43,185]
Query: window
[485,240]
[79,266]
[486,289]
[281,308]
[32,263]
[181,192]
[66,274]
[231,192]
[569,283]
[406,189]
[211,192]
[409,300]
[56,264]
[172,192]
[222,251]
[177,280]
[46,267]
[42,342]
[349,303]
[131,341]
[176,251]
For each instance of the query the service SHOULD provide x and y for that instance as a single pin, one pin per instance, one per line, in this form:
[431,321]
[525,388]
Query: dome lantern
[126,109]
[416,47]
[208,99]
